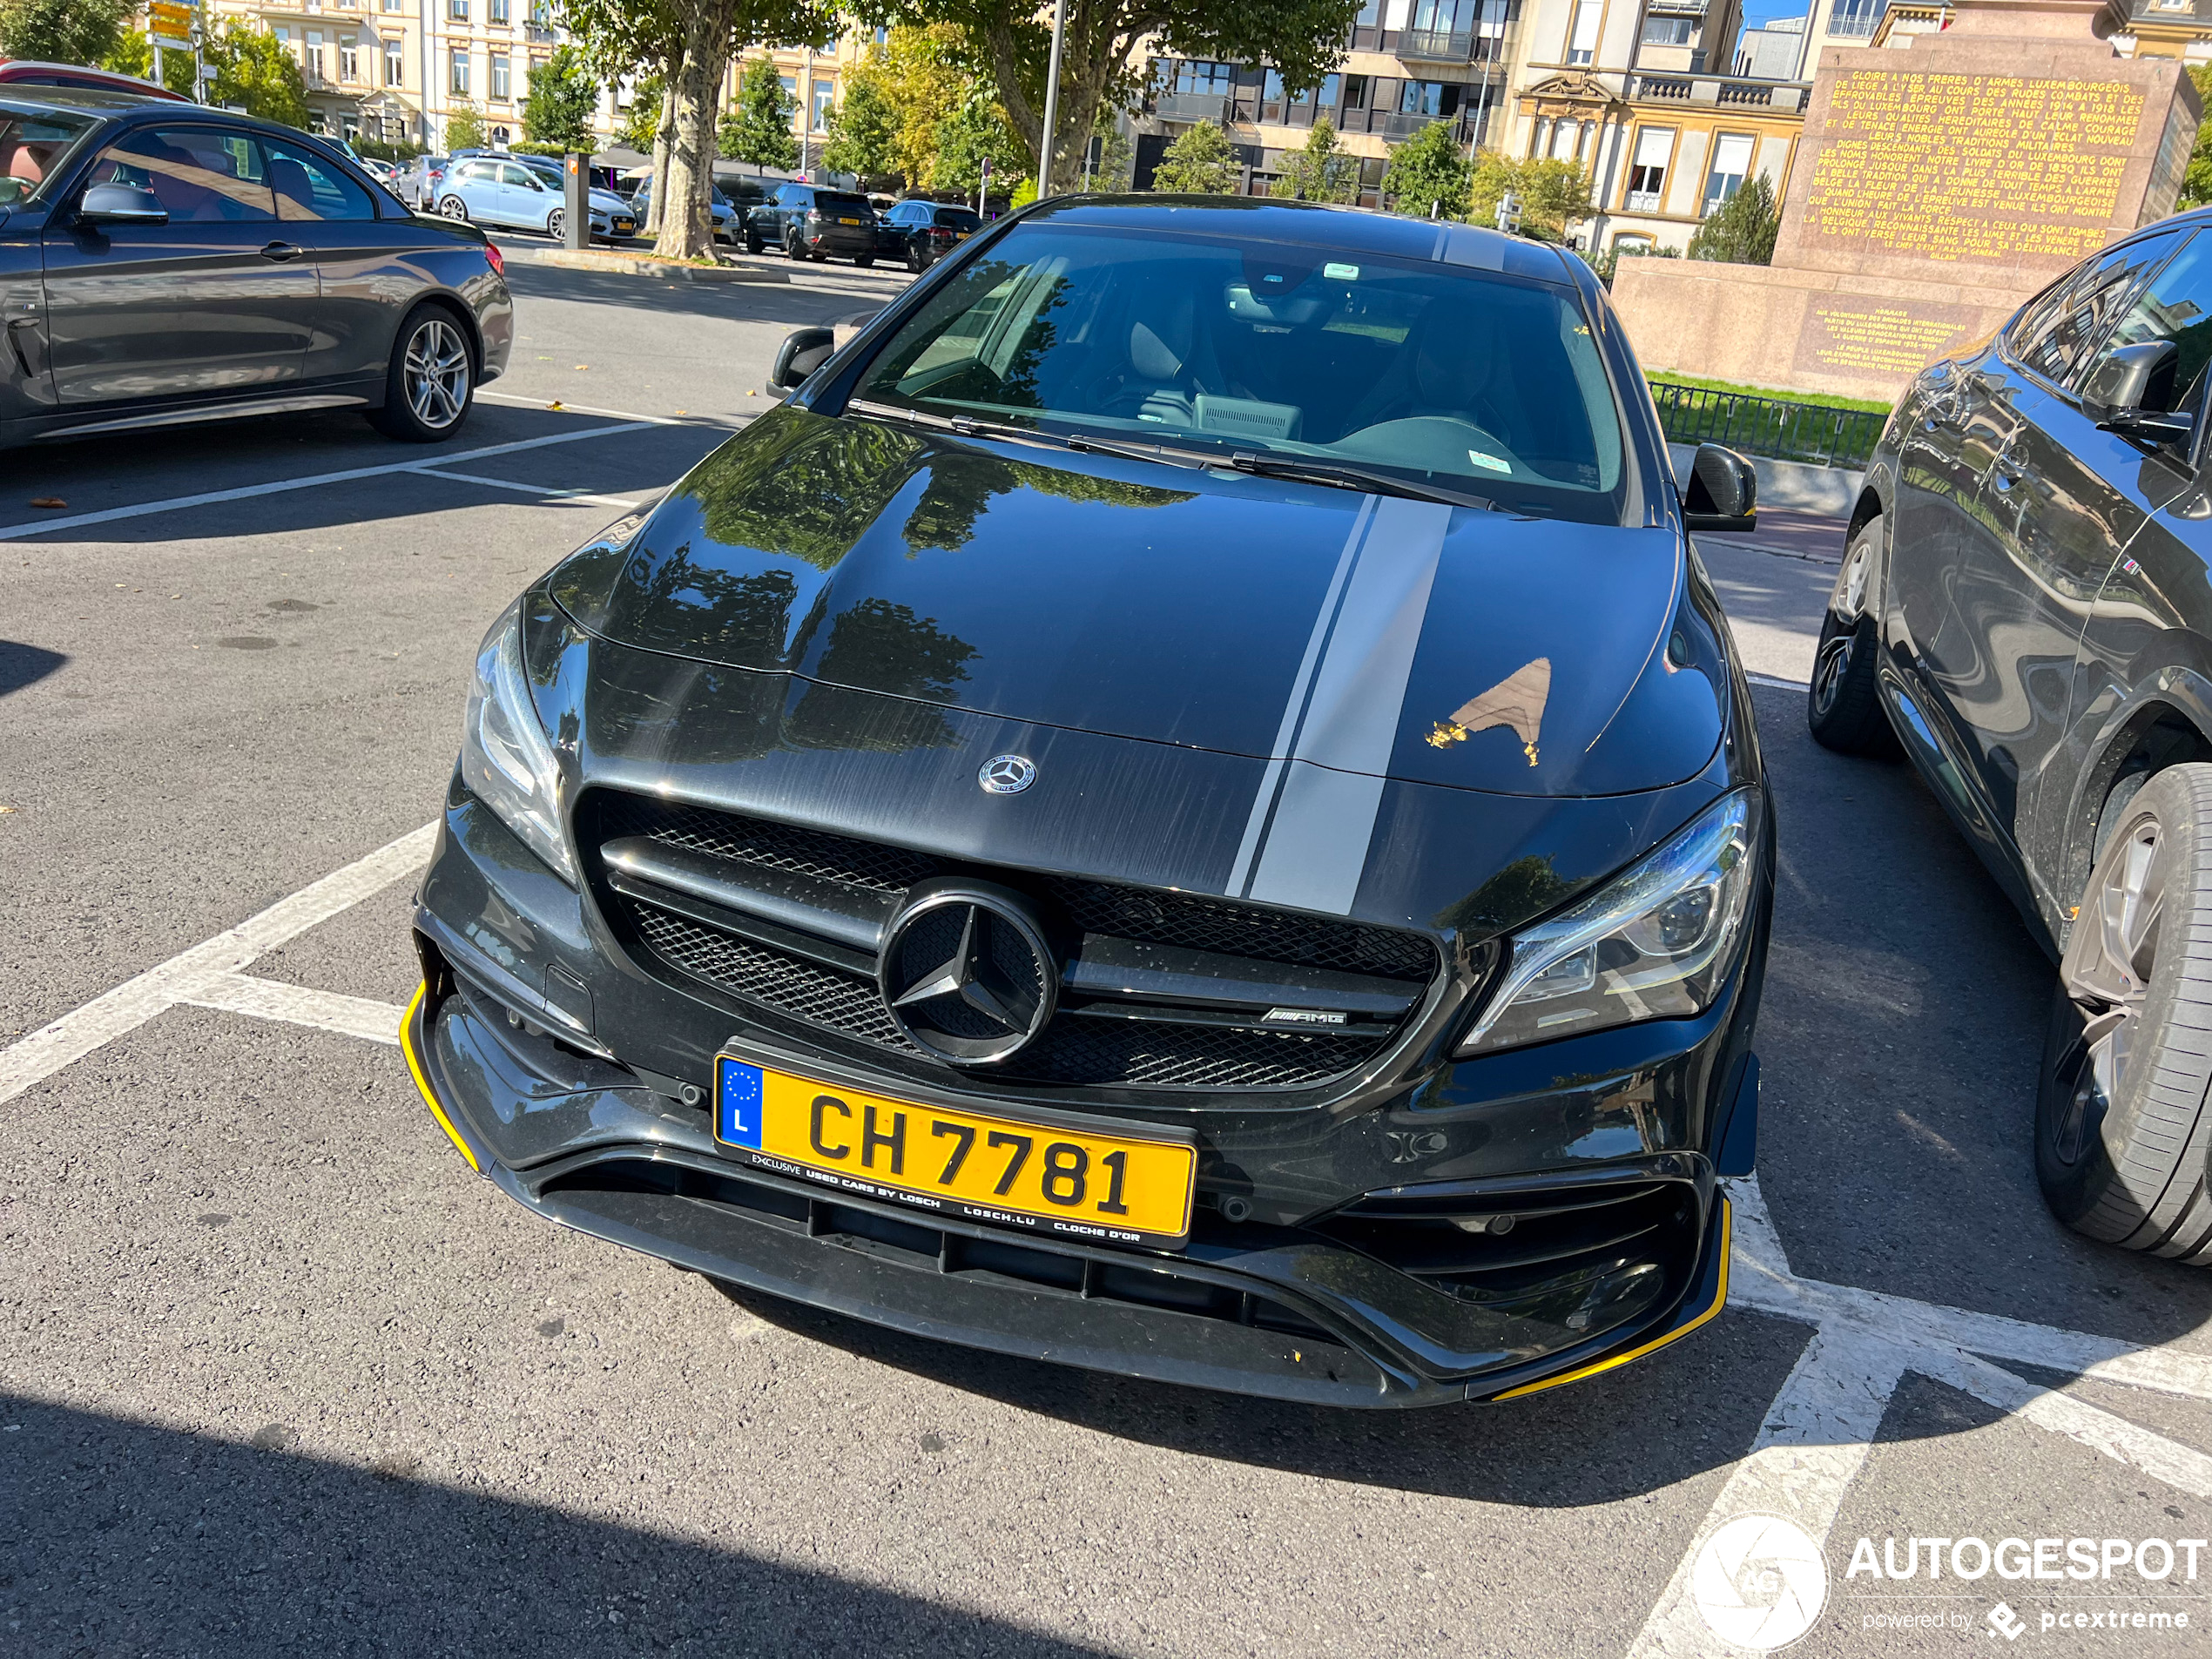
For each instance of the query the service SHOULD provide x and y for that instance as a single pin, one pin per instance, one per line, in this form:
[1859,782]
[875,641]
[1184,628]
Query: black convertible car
[2023,605]
[1183,807]
[163,263]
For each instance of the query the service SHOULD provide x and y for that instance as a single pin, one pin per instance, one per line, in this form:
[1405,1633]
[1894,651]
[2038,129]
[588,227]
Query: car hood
[1364,634]
[606,201]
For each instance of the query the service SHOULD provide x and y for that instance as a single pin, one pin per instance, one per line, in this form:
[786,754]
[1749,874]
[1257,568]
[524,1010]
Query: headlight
[1654,944]
[505,760]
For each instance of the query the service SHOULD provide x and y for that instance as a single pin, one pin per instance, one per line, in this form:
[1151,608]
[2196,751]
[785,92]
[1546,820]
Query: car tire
[556,221]
[915,262]
[753,245]
[1844,706]
[453,208]
[819,255]
[861,261]
[2123,1129]
[428,393]
[793,249]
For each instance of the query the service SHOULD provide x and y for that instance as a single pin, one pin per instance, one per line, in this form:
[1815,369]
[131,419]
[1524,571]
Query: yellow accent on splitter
[422,1082]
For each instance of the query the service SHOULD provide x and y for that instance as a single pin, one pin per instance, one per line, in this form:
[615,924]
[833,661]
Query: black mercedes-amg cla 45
[1185,807]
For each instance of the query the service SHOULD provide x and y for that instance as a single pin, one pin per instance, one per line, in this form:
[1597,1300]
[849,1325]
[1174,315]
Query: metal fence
[1768,426]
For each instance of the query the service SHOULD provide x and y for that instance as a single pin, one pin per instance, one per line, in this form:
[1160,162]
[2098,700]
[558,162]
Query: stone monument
[1936,187]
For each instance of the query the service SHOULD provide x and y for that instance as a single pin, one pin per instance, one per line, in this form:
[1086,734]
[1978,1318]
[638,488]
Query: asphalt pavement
[279,1374]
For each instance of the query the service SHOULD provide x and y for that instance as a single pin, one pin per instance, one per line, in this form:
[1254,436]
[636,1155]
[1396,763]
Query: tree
[1323,171]
[1428,173]
[864,129]
[930,81]
[1200,163]
[133,55]
[1553,194]
[464,125]
[2196,183]
[757,128]
[975,133]
[1302,39]
[1740,231]
[63,31]
[642,120]
[254,69]
[563,99]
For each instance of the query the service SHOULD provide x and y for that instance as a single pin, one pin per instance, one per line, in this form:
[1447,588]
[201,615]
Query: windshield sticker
[1337,273]
[1489,463]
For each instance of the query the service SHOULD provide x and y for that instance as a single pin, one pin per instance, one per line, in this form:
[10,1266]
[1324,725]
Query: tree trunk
[1099,35]
[687,221]
[663,139]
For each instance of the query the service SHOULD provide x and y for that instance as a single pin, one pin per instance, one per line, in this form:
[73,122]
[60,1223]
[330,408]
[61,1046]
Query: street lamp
[1052,94]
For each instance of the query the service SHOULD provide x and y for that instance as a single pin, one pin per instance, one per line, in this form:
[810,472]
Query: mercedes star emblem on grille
[1007,774]
[966,973]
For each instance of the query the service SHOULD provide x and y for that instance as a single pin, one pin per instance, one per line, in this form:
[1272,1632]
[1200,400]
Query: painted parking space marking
[202,969]
[582,498]
[1811,1444]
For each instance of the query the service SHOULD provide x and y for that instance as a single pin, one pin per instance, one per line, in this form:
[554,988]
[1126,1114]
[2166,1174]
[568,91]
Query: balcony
[1730,93]
[1644,201]
[1438,46]
[1192,106]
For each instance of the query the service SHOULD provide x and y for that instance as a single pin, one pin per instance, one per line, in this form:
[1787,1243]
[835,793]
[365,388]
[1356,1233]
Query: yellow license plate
[848,221]
[1075,1183]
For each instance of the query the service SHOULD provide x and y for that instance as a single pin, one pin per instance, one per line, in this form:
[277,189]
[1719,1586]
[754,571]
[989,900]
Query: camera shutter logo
[1760,1581]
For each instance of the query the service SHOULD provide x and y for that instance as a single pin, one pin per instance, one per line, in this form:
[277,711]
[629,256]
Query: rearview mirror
[2131,390]
[121,205]
[1722,493]
[804,351]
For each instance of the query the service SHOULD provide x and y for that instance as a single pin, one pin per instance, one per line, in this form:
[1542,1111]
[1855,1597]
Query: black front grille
[832,992]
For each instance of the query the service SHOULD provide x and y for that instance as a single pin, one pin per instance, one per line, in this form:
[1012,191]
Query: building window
[790,92]
[1355,91]
[1370,15]
[349,127]
[495,11]
[1438,98]
[1539,136]
[1855,18]
[349,63]
[824,100]
[459,82]
[1648,173]
[1203,77]
[1566,141]
[312,57]
[499,87]
[457,10]
[395,62]
[1669,31]
[1731,165]
[1581,39]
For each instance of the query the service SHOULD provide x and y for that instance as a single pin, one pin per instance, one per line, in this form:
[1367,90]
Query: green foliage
[864,129]
[976,132]
[254,69]
[65,32]
[1607,263]
[1323,171]
[1200,163]
[1428,173]
[563,96]
[400,150]
[1117,159]
[1554,195]
[2196,183]
[133,55]
[1740,231]
[642,120]
[757,128]
[464,125]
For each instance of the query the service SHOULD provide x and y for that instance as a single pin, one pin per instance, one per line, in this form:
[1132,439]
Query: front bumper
[593,1128]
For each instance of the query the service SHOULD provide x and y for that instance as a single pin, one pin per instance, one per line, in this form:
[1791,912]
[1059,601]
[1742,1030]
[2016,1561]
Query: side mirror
[121,205]
[1722,493]
[804,351]
[2131,392]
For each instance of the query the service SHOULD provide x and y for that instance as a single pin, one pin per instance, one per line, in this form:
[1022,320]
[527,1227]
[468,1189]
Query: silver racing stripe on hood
[1305,840]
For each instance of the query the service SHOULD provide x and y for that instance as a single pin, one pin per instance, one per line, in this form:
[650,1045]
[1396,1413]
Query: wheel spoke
[2109,970]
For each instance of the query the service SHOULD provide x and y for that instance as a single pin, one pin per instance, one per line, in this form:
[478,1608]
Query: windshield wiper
[1346,476]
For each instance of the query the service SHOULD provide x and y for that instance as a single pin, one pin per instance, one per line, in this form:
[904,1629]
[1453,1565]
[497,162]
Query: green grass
[1822,399]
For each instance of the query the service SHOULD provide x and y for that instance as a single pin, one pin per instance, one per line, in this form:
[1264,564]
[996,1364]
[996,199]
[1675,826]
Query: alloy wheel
[2109,977]
[557,223]
[436,374]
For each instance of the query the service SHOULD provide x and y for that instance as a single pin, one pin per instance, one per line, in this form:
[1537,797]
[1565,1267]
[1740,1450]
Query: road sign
[167,20]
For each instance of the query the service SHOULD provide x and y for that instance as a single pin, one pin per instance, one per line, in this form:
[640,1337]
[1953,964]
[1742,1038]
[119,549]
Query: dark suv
[2024,605]
[927,230]
[809,222]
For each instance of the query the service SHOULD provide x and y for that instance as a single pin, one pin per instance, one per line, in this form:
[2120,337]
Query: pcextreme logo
[1759,1582]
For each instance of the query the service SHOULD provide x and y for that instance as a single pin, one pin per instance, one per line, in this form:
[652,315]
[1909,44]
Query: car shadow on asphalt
[1671,1417]
[21,665]
[123,1537]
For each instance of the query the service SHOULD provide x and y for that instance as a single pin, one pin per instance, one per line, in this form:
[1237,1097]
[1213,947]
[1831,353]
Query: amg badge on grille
[1007,774]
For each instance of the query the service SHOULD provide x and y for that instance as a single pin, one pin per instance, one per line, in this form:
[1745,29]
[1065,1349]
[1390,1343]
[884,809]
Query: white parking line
[268,999]
[245,492]
[580,497]
[201,970]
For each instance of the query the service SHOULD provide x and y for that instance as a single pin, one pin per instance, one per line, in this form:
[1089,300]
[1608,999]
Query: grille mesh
[1076,1049]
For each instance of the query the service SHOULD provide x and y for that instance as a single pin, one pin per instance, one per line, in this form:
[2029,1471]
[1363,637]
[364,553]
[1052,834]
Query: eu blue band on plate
[736,1104]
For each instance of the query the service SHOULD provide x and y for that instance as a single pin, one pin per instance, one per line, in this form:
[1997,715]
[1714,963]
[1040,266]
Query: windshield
[1218,344]
[34,149]
[958,218]
[828,201]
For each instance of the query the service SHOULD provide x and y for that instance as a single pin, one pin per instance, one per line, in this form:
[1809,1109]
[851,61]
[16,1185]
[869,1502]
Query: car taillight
[494,258]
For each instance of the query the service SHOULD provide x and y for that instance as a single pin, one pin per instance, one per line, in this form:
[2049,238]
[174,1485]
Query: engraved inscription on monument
[1854,336]
[1971,168]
